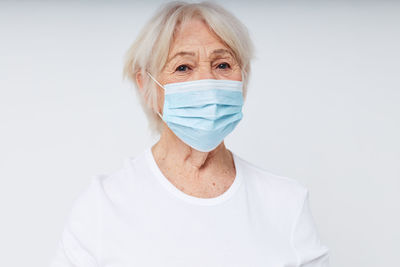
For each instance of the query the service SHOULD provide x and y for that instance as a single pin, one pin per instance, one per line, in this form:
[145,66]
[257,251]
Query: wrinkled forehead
[194,35]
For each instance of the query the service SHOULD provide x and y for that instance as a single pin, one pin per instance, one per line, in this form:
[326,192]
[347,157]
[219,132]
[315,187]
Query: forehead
[194,35]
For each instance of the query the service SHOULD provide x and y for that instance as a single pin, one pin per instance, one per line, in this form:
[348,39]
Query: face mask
[202,112]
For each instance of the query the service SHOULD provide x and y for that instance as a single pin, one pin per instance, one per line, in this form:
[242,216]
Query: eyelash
[177,69]
[227,64]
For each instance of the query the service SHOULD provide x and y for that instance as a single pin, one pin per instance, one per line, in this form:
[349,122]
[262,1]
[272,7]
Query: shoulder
[112,188]
[102,189]
[109,189]
[81,236]
[263,177]
[85,201]
[277,196]
[279,199]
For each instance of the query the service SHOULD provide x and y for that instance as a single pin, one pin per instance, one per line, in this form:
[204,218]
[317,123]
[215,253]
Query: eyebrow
[219,51]
[182,53]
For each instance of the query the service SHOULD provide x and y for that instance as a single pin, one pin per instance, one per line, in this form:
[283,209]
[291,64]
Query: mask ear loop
[159,85]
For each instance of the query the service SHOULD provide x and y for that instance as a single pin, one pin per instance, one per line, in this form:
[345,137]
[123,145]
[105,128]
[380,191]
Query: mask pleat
[208,111]
[201,98]
[205,124]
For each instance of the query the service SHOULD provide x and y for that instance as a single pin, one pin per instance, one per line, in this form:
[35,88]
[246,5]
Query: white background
[323,108]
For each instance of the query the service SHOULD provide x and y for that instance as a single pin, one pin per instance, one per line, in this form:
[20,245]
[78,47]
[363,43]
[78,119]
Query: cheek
[160,98]
[160,91]
[238,72]
[236,75]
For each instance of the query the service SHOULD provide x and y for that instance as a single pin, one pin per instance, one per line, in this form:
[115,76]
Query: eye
[182,68]
[223,65]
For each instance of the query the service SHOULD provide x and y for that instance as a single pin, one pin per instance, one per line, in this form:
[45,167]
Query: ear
[139,80]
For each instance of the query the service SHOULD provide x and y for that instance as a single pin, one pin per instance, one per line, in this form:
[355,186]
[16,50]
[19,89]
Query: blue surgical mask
[202,112]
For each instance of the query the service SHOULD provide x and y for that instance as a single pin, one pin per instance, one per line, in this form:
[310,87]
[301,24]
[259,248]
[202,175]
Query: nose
[204,72]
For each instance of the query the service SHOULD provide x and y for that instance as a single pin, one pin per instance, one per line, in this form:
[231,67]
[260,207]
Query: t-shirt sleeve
[305,239]
[79,242]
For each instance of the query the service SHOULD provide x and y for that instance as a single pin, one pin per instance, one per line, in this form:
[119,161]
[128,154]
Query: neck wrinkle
[173,152]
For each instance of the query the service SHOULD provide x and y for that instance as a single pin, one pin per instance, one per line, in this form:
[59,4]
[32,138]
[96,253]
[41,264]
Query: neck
[170,149]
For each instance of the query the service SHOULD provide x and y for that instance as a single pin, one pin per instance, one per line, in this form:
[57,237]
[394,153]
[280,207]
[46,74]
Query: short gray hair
[150,50]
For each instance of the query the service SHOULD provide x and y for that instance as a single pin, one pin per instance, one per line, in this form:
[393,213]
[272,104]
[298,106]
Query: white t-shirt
[135,217]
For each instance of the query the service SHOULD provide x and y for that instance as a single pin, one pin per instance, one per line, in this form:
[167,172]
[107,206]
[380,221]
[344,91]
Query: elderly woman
[187,200]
